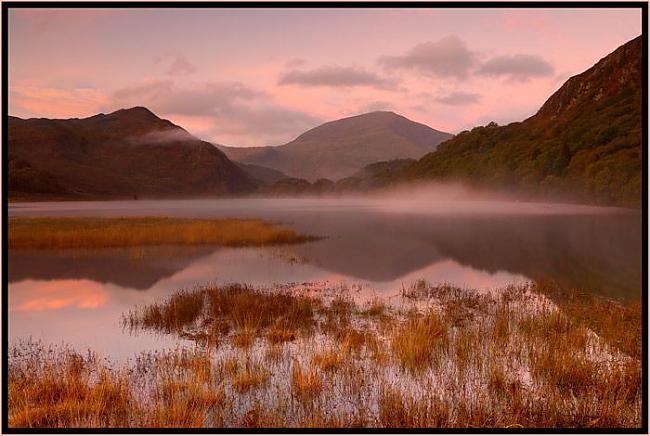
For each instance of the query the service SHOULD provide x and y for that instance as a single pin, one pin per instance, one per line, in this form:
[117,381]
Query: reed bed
[448,358]
[215,310]
[83,232]
[619,322]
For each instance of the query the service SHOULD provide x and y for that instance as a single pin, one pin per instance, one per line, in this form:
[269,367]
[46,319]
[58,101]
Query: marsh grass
[376,308]
[420,341]
[508,359]
[82,232]
[280,332]
[65,389]
[181,310]
[250,375]
[246,311]
[306,384]
[328,360]
[618,322]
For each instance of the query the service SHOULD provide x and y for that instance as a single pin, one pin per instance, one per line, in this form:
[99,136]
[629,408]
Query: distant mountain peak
[135,111]
[340,148]
[129,152]
[380,113]
[136,121]
[381,116]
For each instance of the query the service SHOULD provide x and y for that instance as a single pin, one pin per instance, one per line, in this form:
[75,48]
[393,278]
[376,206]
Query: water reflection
[37,295]
[86,313]
[600,253]
[133,267]
[78,296]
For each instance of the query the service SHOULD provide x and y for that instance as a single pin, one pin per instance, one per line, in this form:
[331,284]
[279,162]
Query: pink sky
[261,77]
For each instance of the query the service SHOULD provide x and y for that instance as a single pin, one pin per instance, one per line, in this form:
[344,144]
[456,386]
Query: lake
[373,245]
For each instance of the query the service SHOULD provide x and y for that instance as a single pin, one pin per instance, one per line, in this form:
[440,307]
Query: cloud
[266,120]
[150,90]
[295,62]
[181,66]
[55,102]
[518,67]
[448,57]
[376,106]
[227,112]
[208,98]
[161,137]
[336,76]
[459,98]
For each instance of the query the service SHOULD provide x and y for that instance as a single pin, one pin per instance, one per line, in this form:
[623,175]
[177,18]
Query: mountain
[128,153]
[584,143]
[372,176]
[340,148]
[262,175]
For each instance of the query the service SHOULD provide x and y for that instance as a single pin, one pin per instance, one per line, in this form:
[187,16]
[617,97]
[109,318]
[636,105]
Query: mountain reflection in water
[78,296]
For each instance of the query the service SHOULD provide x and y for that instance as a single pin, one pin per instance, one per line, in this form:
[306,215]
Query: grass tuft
[306,384]
[418,341]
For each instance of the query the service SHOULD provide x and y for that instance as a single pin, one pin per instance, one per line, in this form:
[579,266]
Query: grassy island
[83,232]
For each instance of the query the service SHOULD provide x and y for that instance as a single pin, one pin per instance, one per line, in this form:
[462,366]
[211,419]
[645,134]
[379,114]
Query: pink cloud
[76,62]
[55,102]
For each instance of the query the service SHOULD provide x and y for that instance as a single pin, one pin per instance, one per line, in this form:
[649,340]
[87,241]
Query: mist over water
[420,198]
[449,198]
[376,243]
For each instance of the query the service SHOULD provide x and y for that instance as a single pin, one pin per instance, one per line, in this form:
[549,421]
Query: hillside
[584,144]
[340,148]
[262,175]
[129,153]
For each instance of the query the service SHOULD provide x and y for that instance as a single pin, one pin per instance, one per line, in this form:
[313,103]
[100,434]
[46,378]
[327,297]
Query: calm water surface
[77,296]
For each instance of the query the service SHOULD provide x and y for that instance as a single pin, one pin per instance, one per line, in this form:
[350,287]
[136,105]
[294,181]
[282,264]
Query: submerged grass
[83,232]
[306,384]
[618,322]
[250,375]
[245,311]
[65,389]
[419,341]
[511,359]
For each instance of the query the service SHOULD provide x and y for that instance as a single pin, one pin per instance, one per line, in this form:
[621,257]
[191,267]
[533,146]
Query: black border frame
[337,4]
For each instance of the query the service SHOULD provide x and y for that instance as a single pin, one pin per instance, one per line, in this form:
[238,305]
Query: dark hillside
[130,153]
[584,144]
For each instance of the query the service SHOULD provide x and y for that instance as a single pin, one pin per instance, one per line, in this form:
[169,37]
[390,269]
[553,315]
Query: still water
[77,297]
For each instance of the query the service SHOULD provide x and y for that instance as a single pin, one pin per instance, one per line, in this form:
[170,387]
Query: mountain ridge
[129,153]
[583,144]
[340,148]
